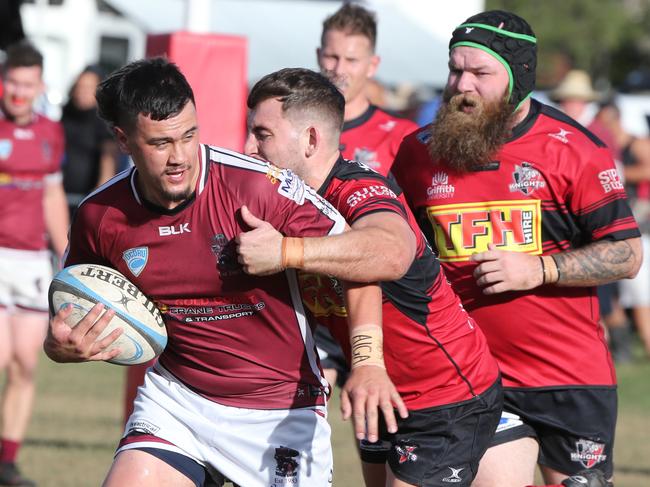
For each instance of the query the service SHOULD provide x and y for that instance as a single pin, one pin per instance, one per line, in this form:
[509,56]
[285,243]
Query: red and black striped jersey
[433,351]
[551,188]
[374,137]
[30,158]
[236,339]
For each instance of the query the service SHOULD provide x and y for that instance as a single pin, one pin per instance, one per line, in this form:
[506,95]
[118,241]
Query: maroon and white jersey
[551,188]
[374,137]
[236,339]
[434,352]
[30,158]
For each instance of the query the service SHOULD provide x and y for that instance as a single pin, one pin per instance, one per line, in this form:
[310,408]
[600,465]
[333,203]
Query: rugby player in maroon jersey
[32,221]
[433,351]
[527,213]
[238,391]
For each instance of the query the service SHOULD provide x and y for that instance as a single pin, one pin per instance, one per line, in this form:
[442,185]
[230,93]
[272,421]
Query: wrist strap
[293,253]
[550,269]
[367,344]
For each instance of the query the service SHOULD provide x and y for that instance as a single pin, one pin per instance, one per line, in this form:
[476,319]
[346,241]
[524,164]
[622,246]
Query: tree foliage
[607,38]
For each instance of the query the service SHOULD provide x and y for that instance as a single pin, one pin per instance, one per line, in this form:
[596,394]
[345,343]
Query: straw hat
[576,85]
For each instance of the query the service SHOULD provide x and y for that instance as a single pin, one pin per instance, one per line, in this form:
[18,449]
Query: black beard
[467,140]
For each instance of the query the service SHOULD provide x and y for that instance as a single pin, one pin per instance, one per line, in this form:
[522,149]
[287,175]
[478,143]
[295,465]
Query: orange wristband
[293,253]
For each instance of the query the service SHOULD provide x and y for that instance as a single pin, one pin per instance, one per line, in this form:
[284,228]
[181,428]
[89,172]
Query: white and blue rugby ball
[83,285]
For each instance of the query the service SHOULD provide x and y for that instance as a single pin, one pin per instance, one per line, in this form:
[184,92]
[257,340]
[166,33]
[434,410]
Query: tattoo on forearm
[596,263]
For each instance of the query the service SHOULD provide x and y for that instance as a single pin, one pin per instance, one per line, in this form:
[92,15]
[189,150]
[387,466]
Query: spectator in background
[91,155]
[635,158]
[32,206]
[575,96]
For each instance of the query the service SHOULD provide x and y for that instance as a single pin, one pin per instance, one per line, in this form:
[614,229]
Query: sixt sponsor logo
[369,192]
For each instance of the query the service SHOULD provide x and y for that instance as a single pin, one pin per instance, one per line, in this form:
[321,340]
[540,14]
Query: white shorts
[636,292]
[251,447]
[25,277]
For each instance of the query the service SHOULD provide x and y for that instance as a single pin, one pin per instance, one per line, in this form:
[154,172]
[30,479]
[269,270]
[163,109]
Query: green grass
[77,423]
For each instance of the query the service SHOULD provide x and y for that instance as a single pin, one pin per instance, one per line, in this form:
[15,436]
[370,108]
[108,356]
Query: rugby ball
[81,286]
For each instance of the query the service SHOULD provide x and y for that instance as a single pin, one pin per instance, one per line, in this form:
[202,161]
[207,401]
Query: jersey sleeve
[598,200]
[295,209]
[403,162]
[356,198]
[84,245]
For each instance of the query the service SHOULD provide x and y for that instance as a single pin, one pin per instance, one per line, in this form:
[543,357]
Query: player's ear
[374,65]
[313,141]
[122,140]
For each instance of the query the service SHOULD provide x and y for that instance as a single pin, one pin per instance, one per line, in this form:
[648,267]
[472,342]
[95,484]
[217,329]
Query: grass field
[78,417]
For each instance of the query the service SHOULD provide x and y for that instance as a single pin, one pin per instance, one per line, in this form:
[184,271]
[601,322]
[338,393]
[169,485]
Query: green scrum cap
[508,38]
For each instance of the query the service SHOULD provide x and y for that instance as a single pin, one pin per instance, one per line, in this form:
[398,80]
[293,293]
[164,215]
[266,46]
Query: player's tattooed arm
[599,262]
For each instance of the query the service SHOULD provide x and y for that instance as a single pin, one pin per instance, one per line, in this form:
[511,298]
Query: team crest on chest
[526,179]
[136,259]
[6,146]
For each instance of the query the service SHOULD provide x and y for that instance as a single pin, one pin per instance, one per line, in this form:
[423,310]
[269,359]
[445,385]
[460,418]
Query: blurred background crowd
[594,64]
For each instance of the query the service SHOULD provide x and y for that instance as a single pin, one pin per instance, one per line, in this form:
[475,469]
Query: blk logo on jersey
[588,453]
[174,230]
[286,464]
[526,179]
[136,259]
[406,452]
[6,146]
[454,477]
[461,230]
[610,180]
[440,187]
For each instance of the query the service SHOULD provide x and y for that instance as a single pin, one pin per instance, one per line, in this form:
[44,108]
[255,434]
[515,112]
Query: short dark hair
[300,89]
[22,54]
[152,87]
[352,19]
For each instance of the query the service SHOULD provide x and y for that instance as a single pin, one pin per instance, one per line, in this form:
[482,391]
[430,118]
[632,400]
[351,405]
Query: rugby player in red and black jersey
[347,57]
[238,391]
[433,351]
[370,135]
[527,213]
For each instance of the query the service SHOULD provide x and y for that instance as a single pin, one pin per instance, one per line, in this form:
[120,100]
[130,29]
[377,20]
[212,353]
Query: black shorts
[442,446]
[331,355]
[574,427]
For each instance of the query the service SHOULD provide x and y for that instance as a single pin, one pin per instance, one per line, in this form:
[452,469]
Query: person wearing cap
[527,213]
[575,96]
